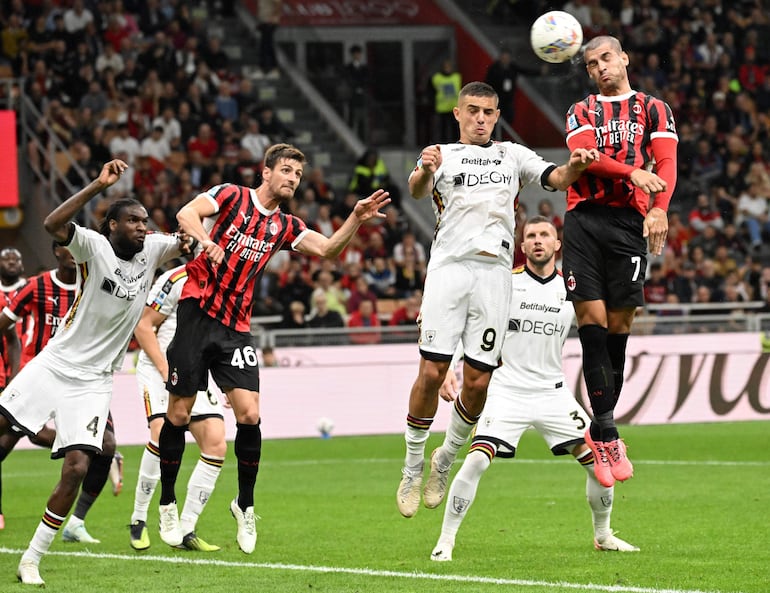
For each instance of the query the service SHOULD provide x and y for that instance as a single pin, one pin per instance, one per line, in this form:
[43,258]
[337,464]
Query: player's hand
[582,158]
[450,387]
[186,242]
[648,182]
[655,230]
[430,158]
[370,207]
[111,172]
[213,251]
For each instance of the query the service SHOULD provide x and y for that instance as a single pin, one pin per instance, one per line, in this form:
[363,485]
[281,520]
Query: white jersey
[539,322]
[94,335]
[163,298]
[474,199]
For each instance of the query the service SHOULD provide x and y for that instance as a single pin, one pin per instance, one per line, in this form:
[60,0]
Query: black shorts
[605,255]
[202,344]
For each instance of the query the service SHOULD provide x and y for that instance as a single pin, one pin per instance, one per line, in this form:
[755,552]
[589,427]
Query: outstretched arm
[314,243]
[579,160]
[57,222]
[148,339]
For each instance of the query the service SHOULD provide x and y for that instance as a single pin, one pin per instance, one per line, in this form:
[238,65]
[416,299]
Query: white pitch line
[455,578]
[565,461]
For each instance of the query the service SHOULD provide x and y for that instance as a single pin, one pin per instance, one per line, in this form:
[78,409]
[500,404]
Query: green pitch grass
[697,507]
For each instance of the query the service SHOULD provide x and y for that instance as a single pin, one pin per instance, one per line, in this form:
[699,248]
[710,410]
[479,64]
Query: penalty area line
[456,578]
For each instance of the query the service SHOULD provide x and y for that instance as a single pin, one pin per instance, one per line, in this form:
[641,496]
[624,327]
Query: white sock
[199,489]
[44,535]
[149,475]
[460,427]
[600,500]
[461,494]
[415,445]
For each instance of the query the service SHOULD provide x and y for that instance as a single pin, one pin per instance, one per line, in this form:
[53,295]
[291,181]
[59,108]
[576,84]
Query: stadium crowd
[142,81]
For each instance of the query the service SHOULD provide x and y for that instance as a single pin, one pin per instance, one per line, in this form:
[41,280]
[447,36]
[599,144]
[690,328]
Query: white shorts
[554,413]
[78,404]
[152,388]
[465,301]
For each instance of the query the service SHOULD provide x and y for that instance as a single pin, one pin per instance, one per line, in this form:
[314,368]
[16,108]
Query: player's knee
[214,447]
[74,469]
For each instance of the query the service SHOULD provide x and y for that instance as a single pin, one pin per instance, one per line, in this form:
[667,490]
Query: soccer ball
[325,427]
[556,36]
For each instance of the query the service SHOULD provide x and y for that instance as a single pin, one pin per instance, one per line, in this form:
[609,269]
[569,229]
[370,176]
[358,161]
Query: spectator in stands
[407,313]
[77,17]
[381,277]
[684,284]
[357,78]
[323,316]
[205,144]
[410,276]
[371,173]
[365,316]
[326,285]
[409,246]
[172,129]
[728,187]
[151,17]
[705,214]
[294,318]
[156,147]
[126,144]
[255,141]
[359,290]
[215,57]
[545,209]
[270,124]
[227,106]
[269,17]
[324,193]
[655,286]
[446,85]
[753,213]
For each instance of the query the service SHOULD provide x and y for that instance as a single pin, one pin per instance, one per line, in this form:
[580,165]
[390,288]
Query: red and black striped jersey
[249,235]
[624,128]
[4,367]
[45,299]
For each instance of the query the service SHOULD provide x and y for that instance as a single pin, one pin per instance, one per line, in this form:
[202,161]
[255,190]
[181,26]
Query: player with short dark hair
[45,300]
[115,271]
[239,229]
[529,391]
[615,211]
[474,183]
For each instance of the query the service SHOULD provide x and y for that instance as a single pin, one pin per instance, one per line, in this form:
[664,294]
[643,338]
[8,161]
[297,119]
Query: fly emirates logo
[618,131]
[246,247]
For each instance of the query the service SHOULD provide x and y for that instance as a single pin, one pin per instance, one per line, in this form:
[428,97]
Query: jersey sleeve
[164,294]
[22,303]
[85,243]
[296,230]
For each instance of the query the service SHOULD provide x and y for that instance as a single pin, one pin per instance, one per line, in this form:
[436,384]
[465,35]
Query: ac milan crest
[571,282]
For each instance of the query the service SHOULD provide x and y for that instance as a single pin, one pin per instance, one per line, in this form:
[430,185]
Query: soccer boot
[612,543]
[246,536]
[140,537]
[116,473]
[29,573]
[75,531]
[195,543]
[408,495]
[620,465]
[442,552]
[435,486]
[602,469]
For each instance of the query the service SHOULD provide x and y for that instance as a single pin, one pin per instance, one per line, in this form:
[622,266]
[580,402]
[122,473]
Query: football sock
[616,347]
[171,448]
[248,451]
[600,501]
[44,534]
[199,489]
[149,474]
[462,492]
[461,424]
[93,483]
[597,372]
[417,433]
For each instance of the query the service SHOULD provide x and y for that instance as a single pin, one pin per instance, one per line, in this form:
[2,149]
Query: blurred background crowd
[143,81]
